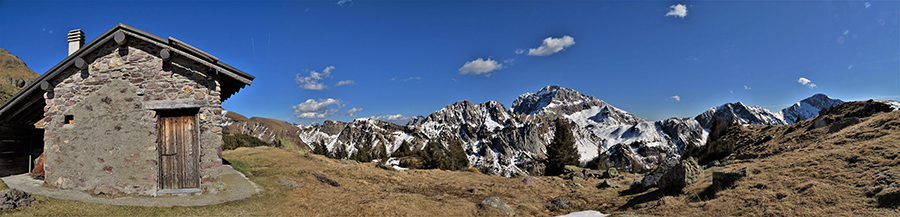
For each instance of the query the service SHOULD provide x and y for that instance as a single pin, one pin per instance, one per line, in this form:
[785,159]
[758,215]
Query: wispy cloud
[316,109]
[413,78]
[313,81]
[746,87]
[676,98]
[396,119]
[806,82]
[342,2]
[353,111]
[551,46]
[345,82]
[520,51]
[692,58]
[480,67]
[678,10]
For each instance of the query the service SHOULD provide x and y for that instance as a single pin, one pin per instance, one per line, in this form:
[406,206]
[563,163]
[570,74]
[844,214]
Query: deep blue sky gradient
[626,53]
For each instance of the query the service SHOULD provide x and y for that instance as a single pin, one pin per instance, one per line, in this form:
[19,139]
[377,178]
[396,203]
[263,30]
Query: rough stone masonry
[110,145]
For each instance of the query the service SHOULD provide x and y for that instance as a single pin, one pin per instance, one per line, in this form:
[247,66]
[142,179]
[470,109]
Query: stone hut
[130,112]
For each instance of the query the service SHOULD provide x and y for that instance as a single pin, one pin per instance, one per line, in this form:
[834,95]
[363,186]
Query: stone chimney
[76,40]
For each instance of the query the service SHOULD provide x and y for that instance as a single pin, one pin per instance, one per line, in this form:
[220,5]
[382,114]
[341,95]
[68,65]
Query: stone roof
[26,106]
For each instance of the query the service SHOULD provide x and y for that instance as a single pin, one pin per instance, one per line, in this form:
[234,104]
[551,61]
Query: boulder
[572,169]
[593,174]
[608,183]
[684,173]
[611,173]
[560,202]
[652,178]
[496,203]
[528,180]
[12,198]
[724,179]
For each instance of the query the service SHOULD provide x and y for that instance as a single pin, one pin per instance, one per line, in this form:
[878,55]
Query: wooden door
[178,151]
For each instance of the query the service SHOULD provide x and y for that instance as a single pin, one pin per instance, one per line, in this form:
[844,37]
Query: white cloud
[520,51]
[396,119]
[342,2]
[413,78]
[678,10]
[806,82]
[746,87]
[315,109]
[345,82]
[480,66]
[313,81]
[676,98]
[353,111]
[551,46]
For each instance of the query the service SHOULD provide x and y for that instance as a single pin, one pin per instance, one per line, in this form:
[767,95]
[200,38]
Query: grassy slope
[802,172]
[11,66]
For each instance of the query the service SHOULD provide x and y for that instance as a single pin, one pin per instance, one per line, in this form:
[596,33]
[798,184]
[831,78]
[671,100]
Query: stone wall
[111,146]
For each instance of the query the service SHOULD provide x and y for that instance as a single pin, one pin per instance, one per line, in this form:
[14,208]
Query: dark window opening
[70,119]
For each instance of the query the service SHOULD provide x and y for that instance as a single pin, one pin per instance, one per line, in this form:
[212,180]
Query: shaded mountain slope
[14,74]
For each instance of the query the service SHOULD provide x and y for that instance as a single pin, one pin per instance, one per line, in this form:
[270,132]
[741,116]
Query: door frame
[195,146]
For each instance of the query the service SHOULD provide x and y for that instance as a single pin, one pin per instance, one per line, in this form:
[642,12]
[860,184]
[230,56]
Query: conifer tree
[403,150]
[457,155]
[561,151]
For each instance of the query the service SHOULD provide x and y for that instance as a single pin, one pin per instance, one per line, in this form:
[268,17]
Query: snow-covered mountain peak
[808,108]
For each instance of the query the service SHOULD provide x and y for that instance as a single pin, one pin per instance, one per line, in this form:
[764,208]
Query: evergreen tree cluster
[433,156]
[233,141]
[561,151]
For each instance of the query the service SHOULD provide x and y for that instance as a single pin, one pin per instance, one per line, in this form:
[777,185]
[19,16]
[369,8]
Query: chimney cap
[76,35]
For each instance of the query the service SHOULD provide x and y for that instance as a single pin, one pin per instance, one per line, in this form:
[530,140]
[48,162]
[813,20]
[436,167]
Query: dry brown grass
[801,172]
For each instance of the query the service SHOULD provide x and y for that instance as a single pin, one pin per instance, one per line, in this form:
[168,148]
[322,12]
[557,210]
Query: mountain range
[510,141]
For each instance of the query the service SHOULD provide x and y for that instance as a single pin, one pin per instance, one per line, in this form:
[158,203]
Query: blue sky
[411,58]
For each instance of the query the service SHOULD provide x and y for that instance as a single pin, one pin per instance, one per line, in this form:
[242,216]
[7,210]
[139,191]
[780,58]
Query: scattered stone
[473,190]
[572,169]
[608,183]
[593,174]
[652,178]
[560,202]
[496,203]
[612,173]
[577,178]
[578,185]
[12,198]
[289,183]
[682,174]
[723,179]
[529,180]
[561,185]
[843,123]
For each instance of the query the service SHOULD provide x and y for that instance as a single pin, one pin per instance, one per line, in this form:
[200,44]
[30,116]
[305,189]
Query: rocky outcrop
[495,202]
